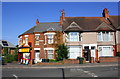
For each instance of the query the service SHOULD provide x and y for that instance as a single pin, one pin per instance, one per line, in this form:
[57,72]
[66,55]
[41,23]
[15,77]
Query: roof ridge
[48,22]
[83,17]
[114,15]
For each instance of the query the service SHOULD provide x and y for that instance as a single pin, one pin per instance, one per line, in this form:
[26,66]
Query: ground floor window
[105,51]
[37,54]
[50,54]
[74,52]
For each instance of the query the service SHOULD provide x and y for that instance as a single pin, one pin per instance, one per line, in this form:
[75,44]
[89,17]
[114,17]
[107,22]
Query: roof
[90,23]
[8,44]
[42,27]
[115,20]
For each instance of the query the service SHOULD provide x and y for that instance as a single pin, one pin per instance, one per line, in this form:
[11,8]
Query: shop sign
[24,50]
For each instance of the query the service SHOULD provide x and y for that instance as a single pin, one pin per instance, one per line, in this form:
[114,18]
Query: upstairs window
[37,36]
[26,39]
[74,36]
[50,38]
[105,36]
[20,41]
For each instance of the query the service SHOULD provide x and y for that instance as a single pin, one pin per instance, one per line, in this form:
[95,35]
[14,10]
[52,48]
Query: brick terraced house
[40,41]
[84,36]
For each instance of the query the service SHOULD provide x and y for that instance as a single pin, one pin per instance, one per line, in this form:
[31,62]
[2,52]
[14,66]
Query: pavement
[17,65]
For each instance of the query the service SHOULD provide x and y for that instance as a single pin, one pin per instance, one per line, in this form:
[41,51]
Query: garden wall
[72,61]
[50,63]
[109,59]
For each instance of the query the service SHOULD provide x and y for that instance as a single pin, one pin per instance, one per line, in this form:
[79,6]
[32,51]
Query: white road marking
[81,70]
[15,76]
[92,74]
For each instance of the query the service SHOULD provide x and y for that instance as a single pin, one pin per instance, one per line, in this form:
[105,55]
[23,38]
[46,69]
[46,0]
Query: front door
[93,52]
[87,53]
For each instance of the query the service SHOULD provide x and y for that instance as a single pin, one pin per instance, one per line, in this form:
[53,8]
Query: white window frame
[46,37]
[26,39]
[37,37]
[50,53]
[50,38]
[104,36]
[101,51]
[20,41]
[74,38]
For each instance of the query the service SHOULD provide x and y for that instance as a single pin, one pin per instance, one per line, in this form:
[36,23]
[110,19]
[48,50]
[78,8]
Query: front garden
[9,58]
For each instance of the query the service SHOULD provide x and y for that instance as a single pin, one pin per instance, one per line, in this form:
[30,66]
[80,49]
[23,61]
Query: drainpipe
[115,43]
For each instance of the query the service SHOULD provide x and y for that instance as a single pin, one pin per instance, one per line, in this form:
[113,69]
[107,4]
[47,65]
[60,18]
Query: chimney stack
[37,22]
[105,13]
[62,17]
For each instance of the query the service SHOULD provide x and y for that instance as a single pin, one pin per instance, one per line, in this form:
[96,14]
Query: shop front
[24,55]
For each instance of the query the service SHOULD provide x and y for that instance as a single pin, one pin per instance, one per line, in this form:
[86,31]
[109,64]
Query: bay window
[73,36]
[104,36]
[50,38]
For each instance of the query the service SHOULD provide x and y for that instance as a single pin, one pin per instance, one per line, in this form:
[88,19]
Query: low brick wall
[73,61]
[49,63]
[109,59]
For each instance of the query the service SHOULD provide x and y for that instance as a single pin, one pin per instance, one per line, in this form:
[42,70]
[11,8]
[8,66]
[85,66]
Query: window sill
[73,41]
[104,41]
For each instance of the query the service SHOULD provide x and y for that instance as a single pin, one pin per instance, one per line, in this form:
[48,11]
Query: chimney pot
[105,13]
[62,17]
[37,22]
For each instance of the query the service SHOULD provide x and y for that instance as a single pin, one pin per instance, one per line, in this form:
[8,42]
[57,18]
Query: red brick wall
[109,59]
[50,63]
[31,40]
[118,48]
[71,61]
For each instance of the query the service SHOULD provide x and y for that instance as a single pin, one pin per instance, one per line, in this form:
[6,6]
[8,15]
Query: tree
[62,52]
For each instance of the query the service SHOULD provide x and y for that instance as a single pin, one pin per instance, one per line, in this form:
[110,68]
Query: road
[111,71]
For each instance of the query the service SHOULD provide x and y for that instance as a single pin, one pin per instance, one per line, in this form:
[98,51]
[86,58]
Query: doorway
[87,53]
[37,55]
